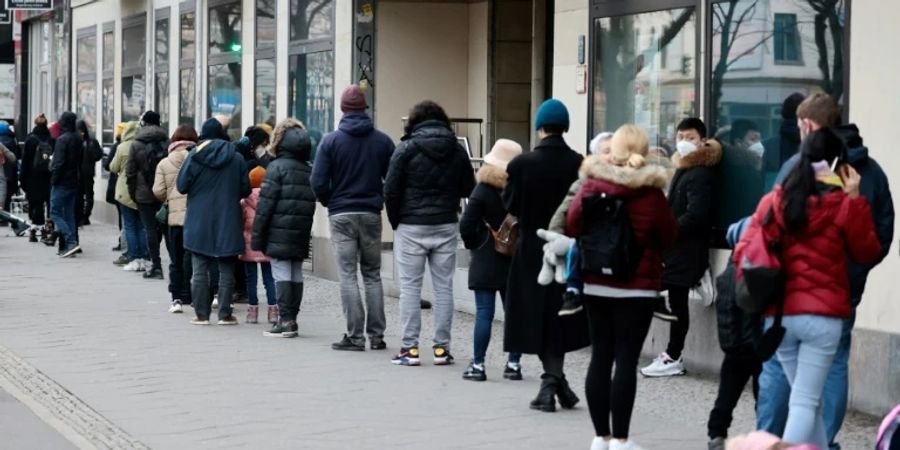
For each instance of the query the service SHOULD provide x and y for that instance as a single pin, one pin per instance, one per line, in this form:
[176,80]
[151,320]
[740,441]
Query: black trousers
[678,301]
[180,266]
[84,205]
[38,211]
[155,231]
[618,328]
[738,367]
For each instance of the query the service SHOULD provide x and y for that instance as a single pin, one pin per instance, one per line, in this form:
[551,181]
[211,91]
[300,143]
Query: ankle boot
[567,398]
[50,240]
[32,235]
[546,398]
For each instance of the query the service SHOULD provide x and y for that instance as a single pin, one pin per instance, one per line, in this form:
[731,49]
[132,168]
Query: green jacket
[117,165]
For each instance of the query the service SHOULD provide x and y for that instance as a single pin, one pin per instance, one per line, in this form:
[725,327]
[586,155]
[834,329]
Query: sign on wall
[7,91]
[29,4]
[5,14]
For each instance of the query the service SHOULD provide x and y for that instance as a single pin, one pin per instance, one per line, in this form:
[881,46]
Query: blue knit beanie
[552,112]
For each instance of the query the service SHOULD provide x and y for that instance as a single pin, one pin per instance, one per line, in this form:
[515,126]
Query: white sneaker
[616,444]
[599,444]
[176,307]
[133,266]
[664,366]
[215,302]
[145,265]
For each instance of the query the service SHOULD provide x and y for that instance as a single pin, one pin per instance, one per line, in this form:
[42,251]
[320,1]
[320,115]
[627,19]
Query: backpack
[155,153]
[42,154]
[607,242]
[506,236]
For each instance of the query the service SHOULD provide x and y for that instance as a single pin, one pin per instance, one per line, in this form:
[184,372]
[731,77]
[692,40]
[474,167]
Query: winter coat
[538,181]
[35,183]
[779,149]
[119,162]
[652,224]
[350,166]
[815,259]
[428,175]
[874,187]
[138,170]
[113,178]
[92,153]
[214,178]
[66,165]
[737,329]
[488,270]
[287,204]
[10,167]
[691,200]
[165,179]
[248,212]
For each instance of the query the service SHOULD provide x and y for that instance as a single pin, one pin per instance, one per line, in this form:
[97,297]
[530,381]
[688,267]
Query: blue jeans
[485,304]
[134,233]
[62,212]
[268,282]
[774,391]
[806,355]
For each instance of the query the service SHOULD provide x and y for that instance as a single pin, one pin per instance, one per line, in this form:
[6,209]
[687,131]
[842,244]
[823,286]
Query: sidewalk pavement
[151,378]
[21,428]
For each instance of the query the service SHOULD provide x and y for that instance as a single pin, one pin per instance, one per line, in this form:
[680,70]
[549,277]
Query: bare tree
[827,18]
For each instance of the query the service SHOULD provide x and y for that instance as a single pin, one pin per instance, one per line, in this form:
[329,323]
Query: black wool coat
[691,200]
[35,183]
[488,270]
[538,182]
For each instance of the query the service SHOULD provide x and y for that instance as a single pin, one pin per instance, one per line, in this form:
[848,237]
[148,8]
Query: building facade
[490,63]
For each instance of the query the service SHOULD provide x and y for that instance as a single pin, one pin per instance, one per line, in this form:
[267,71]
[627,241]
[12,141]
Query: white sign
[29,4]
[7,91]
[580,79]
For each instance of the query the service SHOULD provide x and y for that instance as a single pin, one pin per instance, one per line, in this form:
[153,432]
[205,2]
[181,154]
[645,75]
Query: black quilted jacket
[428,175]
[284,214]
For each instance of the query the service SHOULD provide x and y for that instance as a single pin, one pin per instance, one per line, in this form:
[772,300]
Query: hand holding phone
[851,180]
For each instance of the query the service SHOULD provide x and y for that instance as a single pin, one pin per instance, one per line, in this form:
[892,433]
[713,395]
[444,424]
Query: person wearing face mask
[739,183]
[690,197]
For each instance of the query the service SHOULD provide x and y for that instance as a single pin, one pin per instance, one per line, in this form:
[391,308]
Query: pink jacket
[248,209]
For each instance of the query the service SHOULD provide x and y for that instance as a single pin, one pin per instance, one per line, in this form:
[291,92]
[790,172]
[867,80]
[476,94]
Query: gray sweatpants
[357,245]
[414,245]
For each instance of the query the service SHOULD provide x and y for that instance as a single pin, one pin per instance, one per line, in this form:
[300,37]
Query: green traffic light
[235,47]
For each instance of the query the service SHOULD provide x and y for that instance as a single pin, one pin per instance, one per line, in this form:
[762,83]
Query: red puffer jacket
[652,222]
[815,260]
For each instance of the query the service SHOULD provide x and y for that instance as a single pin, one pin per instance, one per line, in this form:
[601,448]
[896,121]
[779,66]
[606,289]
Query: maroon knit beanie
[353,99]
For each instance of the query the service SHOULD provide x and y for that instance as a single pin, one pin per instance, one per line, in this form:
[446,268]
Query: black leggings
[678,301]
[618,329]
[739,366]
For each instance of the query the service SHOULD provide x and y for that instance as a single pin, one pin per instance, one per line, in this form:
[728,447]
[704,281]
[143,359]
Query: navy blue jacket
[874,187]
[350,167]
[214,178]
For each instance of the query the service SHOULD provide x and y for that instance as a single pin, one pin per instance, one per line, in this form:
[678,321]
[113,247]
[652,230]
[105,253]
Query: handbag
[506,237]
[162,216]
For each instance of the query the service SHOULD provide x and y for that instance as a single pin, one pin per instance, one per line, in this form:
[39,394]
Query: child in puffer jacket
[252,257]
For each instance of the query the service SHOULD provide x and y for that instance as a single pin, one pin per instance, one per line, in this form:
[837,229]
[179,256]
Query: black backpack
[156,152]
[42,155]
[608,246]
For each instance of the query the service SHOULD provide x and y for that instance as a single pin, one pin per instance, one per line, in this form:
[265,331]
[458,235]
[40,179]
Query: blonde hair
[629,146]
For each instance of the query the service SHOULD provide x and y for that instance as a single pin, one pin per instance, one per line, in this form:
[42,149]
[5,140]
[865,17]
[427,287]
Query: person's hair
[821,109]
[790,104]
[740,128]
[425,111]
[185,133]
[599,139]
[800,184]
[82,126]
[41,121]
[554,130]
[693,123]
[630,146]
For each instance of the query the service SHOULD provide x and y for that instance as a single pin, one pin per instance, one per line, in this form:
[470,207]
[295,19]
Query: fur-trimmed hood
[650,175]
[278,137]
[492,176]
[707,155]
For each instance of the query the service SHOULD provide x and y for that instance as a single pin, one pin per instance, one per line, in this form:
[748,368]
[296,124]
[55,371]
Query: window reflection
[311,19]
[225,29]
[265,91]
[108,51]
[225,95]
[87,101]
[186,104]
[87,55]
[265,23]
[108,111]
[134,95]
[312,92]
[188,35]
[162,41]
[134,49]
[162,98]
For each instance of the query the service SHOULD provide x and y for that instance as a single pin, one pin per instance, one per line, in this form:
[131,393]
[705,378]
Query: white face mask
[685,147]
[757,149]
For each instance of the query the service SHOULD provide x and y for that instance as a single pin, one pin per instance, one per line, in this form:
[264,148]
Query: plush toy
[554,263]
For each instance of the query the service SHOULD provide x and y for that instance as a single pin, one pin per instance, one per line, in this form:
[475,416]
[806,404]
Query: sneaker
[662,311]
[571,304]
[146,265]
[133,266]
[664,366]
[283,330]
[511,372]
[199,321]
[616,444]
[407,357]
[599,444]
[215,302]
[475,372]
[176,307]
[71,251]
[442,356]
[273,315]
[122,260]
[252,314]
[230,320]
[377,344]
[155,273]
[347,345]
[716,444]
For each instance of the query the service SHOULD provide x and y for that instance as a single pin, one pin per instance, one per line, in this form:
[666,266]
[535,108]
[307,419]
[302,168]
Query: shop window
[87,55]
[311,96]
[188,35]
[311,19]
[224,70]
[86,75]
[109,110]
[225,29]
[264,83]
[187,104]
[87,101]
[265,23]
[134,67]
[108,99]
[225,95]
[748,86]
[161,69]
[134,93]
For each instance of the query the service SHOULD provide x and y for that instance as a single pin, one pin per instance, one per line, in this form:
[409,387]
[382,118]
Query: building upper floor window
[786,39]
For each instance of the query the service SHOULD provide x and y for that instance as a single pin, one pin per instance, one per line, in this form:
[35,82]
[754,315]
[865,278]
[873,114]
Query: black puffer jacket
[66,166]
[691,200]
[287,204]
[488,269]
[138,171]
[428,175]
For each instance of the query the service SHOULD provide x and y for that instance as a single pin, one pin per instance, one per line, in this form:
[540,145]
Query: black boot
[567,398]
[546,398]
[50,240]
[32,235]
[296,299]
[283,298]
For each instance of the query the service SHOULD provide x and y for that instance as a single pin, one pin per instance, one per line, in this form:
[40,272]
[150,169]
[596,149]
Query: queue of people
[625,224]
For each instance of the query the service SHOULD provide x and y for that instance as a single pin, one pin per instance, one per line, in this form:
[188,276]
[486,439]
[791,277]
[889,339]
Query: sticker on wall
[580,79]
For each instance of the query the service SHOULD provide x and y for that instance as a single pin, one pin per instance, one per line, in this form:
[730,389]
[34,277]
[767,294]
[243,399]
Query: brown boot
[273,314]
[252,314]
